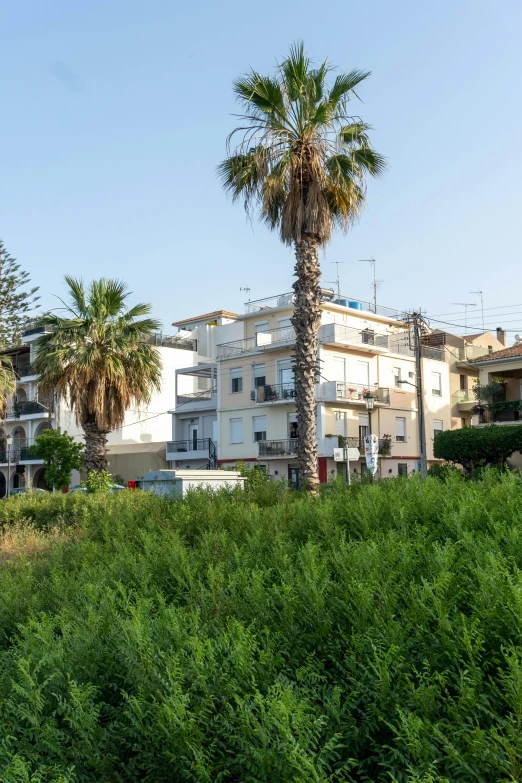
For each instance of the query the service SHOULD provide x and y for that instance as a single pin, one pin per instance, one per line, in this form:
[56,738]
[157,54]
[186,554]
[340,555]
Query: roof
[469,337]
[214,314]
[505,353]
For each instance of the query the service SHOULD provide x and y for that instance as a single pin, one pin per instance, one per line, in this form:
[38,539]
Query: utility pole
[481,307]
[465,305]
[417,321]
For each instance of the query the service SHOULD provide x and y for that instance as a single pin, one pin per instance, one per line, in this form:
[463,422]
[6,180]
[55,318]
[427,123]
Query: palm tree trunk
[95,446]
[306,321]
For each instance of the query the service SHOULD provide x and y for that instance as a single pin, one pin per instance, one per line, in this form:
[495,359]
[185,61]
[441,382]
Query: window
[236,430]
[463,382]
[292,426]
[402,469]
[397,377]
[261,326]
[436,384]
[438,426]
[285,328]
[236,380]
[259,375]
[400,429]
[340,423]
[490,349]
[362,370]
[463,422]
[259,423]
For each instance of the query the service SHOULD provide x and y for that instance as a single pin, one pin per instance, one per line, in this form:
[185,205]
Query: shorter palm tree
[99,360]
[7,383]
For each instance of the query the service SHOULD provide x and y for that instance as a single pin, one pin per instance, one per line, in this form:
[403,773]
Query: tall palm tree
[7,383]
[98,359]
[303,160]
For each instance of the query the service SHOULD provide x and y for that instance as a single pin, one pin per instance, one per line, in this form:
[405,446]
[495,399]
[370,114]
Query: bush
[474,447]
[374,634]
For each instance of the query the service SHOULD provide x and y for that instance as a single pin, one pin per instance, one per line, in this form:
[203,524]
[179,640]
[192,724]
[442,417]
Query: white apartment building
[360,351]
[194,443]
[138,446]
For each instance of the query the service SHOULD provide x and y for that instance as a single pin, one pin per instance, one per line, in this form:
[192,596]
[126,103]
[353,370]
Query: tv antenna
[337,280]
[465,305]
[246,289]
[376,283]
[481,307]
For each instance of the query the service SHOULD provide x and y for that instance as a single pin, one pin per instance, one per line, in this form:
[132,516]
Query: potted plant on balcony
[385,446]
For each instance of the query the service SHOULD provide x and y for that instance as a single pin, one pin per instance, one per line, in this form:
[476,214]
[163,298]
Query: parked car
[26,491]
[79,488]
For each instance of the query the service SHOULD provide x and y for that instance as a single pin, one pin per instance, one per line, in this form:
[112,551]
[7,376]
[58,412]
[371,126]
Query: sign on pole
[371,451]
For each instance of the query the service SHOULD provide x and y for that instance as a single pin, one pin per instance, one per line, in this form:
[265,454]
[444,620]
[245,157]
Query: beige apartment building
[360,351]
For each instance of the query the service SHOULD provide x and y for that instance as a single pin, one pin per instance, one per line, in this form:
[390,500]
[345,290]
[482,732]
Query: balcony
[20,452]
[32,330]
[464,398]
[270,449]
[469,353]
[437,354]
[167,341]
[345,391]
[506,412]
[25,371]
[340,441]
[24,408]
[262,341]
[194,448]
[275,392]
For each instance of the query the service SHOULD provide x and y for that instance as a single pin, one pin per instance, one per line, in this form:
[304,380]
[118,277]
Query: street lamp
[9,441]
[369,399]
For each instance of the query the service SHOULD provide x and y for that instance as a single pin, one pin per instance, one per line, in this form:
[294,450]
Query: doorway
[293,477]
[193,436]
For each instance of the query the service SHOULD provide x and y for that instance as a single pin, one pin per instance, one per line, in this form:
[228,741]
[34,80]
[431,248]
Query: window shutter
[236,430]
[400,428]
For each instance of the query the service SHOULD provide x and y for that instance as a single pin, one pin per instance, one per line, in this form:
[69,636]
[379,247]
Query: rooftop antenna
[337,281]
[376,283]
[465,305]
[481,307]
[246,289]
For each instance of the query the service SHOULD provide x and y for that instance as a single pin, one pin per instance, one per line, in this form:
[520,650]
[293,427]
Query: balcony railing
[464,395]
[508,412]
[171,341]
[26,407]
[470,352]
[438,354]
[344,390]
[287,300]
[32,329]
[20,450]
[261,341]
[24,370]
[192,398]
[275,392]
[277,448]
[192,444]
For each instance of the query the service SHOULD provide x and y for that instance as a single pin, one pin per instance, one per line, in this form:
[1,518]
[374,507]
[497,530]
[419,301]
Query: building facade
[360,351]
[136,447]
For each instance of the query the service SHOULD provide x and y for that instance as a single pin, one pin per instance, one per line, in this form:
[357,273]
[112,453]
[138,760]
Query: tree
[16,301]
[99,360]
[474,447]
[7,383]
[303,160]
[60,454]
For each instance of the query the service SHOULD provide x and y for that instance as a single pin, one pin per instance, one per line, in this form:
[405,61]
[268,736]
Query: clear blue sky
[115,114]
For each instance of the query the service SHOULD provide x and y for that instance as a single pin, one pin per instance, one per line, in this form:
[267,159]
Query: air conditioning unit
[252,395]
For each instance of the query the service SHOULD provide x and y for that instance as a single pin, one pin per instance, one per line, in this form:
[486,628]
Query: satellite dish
[518,338]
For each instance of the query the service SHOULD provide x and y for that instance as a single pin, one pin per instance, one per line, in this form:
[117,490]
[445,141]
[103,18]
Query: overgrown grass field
[372,635]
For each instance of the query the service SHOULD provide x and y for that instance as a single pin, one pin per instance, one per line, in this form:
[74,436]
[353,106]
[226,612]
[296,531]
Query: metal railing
[20,450]
[277,448]
[192,444]
[287,300]
[275,392]
[171,341]
[24,370]
[358,443]
[25,407]
[185,398]
[261,341]
[344,390]
[31,329]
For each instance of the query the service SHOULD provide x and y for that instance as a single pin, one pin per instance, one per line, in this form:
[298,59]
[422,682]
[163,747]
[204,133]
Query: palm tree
[99,360]
[303,160]
[7,383]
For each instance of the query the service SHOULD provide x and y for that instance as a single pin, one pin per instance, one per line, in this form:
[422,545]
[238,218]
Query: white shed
[178,482]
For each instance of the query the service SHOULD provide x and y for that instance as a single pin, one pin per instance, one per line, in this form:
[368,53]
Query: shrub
[474,447]
[374,634]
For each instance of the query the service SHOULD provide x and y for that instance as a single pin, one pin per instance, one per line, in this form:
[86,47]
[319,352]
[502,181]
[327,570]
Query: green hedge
[374,634]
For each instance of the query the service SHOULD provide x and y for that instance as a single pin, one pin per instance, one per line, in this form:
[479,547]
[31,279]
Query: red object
[131,484]
[323,470]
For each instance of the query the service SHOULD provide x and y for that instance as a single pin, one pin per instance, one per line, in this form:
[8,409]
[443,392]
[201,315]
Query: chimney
[501,335]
